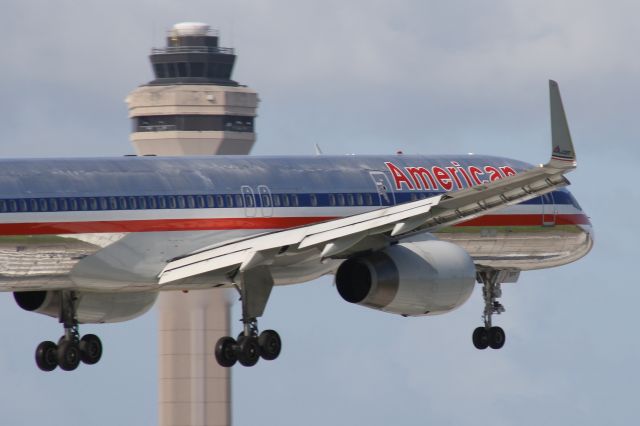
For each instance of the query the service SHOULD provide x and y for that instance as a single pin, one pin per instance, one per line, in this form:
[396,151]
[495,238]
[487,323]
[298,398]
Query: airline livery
[94,240]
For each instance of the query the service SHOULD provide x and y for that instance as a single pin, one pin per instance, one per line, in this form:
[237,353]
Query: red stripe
[164,225]
[526,220]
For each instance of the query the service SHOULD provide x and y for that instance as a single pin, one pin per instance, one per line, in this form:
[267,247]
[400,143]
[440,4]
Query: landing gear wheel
[47,356]
[270,345]
[225,351]
[90,349]
[480,338]
[497,337]
[248,351]
[68,355]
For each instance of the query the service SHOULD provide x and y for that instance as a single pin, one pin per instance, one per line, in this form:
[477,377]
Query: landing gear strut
[489,335]
[255,287]
[71,349]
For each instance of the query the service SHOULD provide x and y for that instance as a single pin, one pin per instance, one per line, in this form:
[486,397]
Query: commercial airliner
[94,240]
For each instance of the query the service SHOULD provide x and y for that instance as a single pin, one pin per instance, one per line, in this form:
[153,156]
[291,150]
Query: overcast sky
[361,77]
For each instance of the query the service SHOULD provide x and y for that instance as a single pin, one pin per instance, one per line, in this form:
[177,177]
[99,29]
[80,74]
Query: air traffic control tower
[192,107]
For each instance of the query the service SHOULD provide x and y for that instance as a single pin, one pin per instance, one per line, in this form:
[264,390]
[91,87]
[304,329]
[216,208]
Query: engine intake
[410,278]
[91,307]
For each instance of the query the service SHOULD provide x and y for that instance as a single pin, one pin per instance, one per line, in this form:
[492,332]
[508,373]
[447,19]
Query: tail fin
[563,156]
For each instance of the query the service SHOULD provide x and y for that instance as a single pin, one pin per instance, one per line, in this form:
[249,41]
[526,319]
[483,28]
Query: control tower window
[182,69]
[193,122]
[160,70]
[171,70]
[197,69]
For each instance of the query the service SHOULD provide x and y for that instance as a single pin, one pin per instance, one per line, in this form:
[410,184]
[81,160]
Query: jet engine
[91,307]
[410,278]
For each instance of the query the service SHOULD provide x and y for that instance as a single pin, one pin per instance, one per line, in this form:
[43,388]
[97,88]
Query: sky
[360,77]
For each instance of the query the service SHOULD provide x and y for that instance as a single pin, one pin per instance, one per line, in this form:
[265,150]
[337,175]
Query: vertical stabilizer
[562,153]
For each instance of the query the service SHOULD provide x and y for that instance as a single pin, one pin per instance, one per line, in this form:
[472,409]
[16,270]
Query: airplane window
[64,205]
[368,199]
[276,200]
[13,206]
[113,203]
[83,204]
[53,203]
[44,206]
[33,205]
[248,200]
[162,202]
[151,202]
[142,203]
[122,203]
[133,203]
[340,199]
[285,200]
[239,202]
[93,204]
[200,202]
[181,202]
[191,202]
[104,205]
[266,201]
[350,199]
[171,202]
[219,201]
[229,201]
[3,206]
[294,200]
[210,201]
[73,204]
[332,200]
[314,200]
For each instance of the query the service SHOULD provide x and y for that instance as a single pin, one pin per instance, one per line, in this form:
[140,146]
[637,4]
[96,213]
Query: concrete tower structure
[192,107]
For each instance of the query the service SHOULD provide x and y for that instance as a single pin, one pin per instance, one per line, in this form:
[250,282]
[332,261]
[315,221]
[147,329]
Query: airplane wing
[336,237]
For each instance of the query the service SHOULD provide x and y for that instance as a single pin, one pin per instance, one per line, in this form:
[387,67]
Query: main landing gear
[255,288]
[70,349]
[489,335]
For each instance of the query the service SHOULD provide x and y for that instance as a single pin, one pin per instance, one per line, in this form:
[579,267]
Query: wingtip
[562,152]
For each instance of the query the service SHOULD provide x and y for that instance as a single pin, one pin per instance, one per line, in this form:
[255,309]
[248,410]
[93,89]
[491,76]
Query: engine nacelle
[91,307]
[409,278]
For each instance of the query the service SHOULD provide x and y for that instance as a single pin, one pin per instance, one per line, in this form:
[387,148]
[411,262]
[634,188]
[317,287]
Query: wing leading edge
[335,237]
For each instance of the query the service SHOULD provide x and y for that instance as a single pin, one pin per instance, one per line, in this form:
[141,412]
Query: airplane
[94,240]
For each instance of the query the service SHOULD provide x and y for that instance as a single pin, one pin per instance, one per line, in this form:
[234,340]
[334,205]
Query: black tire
[270,345]
[480,338]
[225,351]
[248,351]
[68,355]
[90,349]
[497,337]
[47,356]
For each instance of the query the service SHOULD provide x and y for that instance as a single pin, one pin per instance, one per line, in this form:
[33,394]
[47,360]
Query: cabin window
[359,199]
[3,206]
[93,204]
[229,200]
[64,204]
[171,202]
[266,200]
[294,200]
[162,202]
[13,206]
[133,203]
[276,200]
[200,202]
[285,200]
[332,200]
[219,200]
[239,201]
[248,200]
[210,201]
[314,200]
[350,200]
[368,199]
[33,205]
[73,204]
[340,199]
[151,202]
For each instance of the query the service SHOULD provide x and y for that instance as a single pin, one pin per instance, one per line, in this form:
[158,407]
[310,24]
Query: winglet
[563,156]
